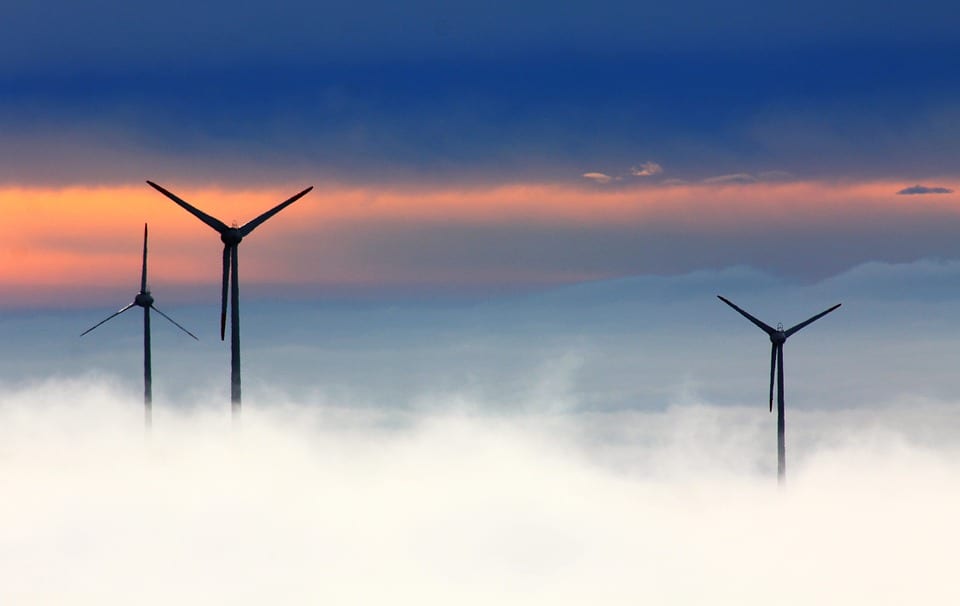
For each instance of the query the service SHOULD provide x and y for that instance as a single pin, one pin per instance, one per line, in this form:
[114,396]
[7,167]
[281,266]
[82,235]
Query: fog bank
[467,503]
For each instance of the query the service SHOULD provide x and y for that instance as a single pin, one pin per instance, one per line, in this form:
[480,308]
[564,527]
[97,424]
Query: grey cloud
[923,189]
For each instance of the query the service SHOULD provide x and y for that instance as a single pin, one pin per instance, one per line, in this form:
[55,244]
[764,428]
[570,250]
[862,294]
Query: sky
[459,149]
[483,358]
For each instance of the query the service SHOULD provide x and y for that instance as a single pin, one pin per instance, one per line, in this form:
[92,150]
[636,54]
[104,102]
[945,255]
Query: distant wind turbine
[778,336]
[145,300]
[231,237]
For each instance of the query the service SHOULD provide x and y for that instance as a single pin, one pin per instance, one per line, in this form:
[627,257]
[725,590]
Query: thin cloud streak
[597,177]
[738,178]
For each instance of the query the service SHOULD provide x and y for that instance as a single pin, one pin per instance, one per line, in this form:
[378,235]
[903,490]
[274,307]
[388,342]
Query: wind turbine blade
[108,318]
[213,222]
[765,328]
[143,274]
[227,251]
[174,322]
[773,369]
[252,225]
[811,320]
[779,374]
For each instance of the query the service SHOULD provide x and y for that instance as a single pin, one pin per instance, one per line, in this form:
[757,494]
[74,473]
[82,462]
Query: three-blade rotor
[778,337]
[231,237]
[143,298]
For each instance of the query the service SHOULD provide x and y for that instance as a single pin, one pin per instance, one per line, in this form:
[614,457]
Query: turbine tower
[145,300]
[778,336]
[231,237]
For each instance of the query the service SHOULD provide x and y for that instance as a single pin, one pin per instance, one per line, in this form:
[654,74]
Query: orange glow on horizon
[75,236]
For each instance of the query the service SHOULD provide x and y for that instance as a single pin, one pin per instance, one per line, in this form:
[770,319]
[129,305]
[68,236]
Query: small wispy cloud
[597,177]
[923,189]
[647,169]
[732,178]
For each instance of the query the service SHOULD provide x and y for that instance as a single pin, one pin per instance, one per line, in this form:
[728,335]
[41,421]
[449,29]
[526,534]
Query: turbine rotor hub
[143,299]
[778,337]
[231,237]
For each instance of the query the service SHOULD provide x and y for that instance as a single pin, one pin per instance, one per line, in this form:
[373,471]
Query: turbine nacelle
[778,337]
[143,299]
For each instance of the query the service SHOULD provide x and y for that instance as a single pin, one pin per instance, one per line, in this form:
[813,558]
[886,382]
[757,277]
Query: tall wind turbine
[778,336]
[231,237]
[145,300]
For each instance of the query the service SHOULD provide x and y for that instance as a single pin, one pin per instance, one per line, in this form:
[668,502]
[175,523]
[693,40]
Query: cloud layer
[309,504]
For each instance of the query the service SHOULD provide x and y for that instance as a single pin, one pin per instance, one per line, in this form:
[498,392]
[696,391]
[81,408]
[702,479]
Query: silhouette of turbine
[145,300]
[231,237]
[778,336]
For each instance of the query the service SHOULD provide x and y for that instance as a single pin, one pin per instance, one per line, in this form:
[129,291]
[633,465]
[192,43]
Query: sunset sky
[468,150]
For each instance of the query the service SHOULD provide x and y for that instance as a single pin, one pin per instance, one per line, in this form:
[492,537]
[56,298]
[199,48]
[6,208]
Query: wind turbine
[145,300]
[231,237]
[778,336]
